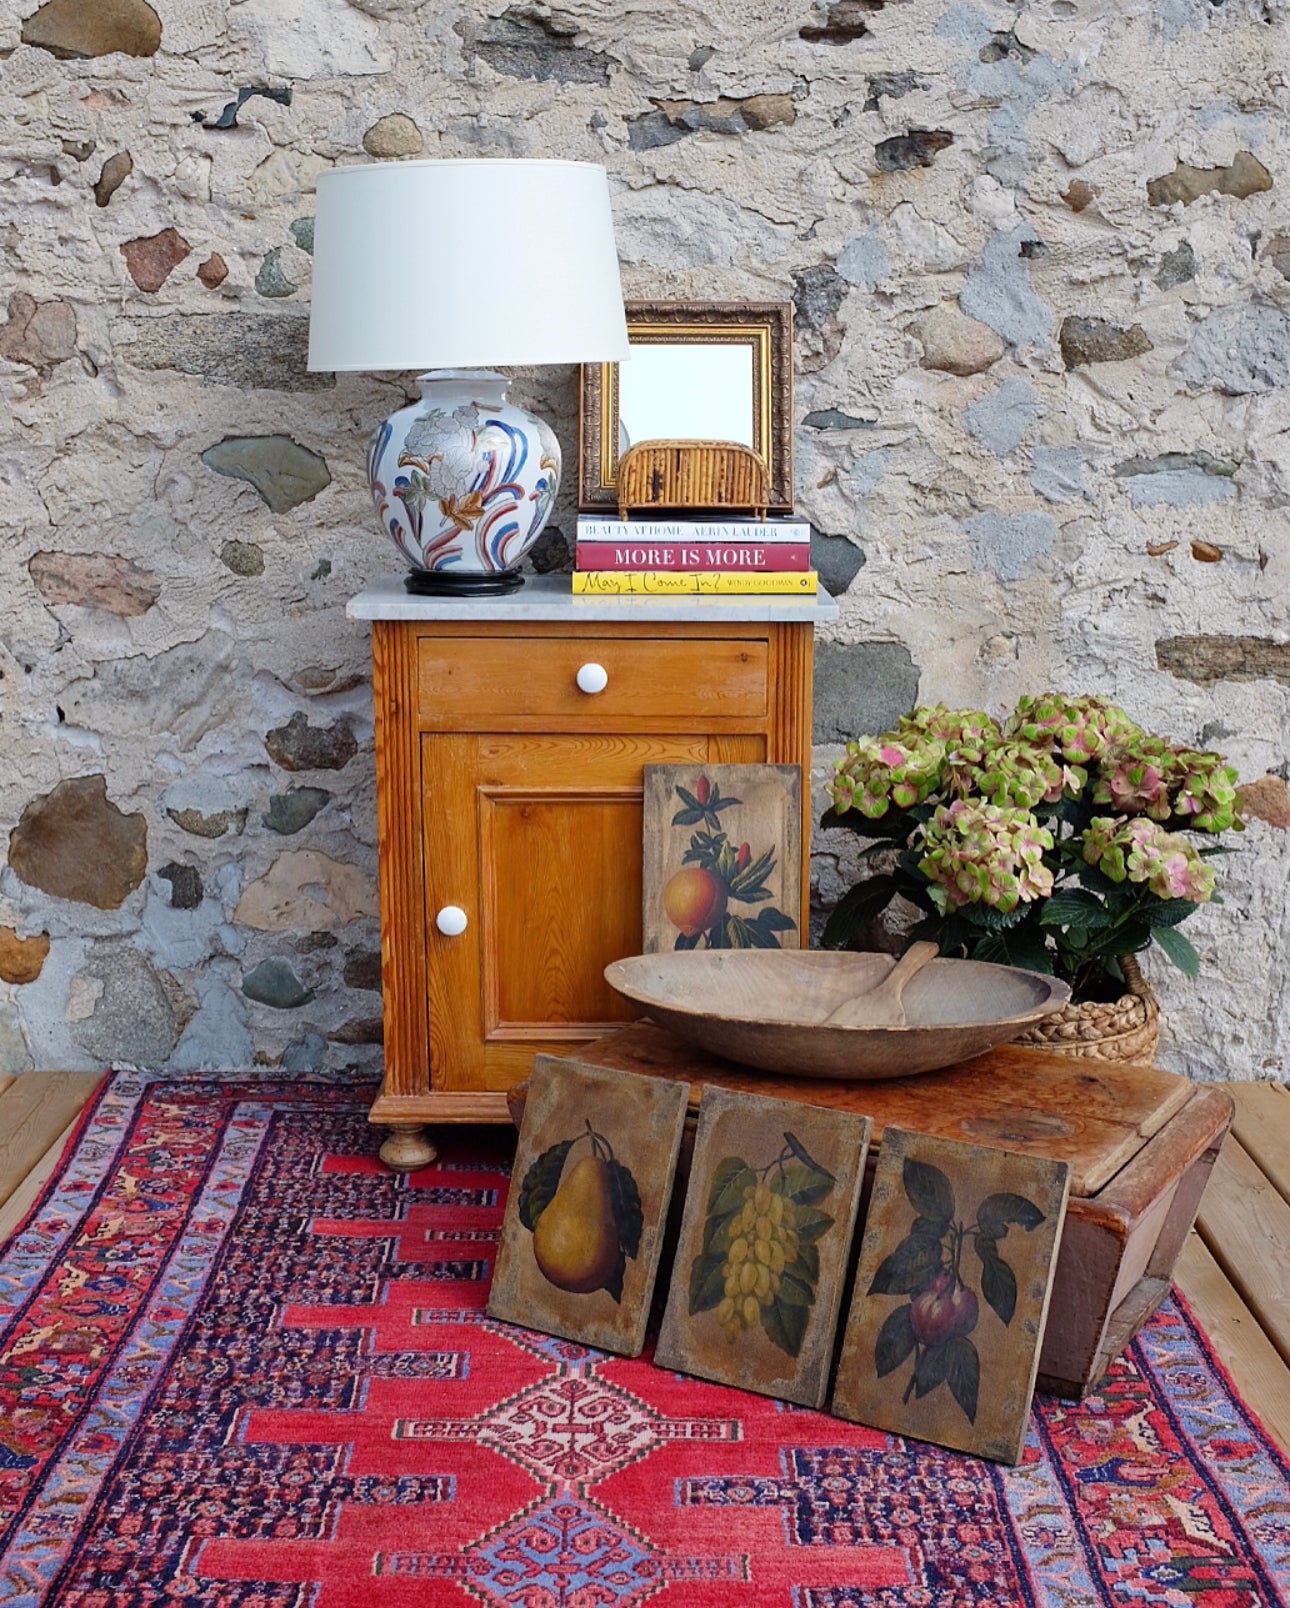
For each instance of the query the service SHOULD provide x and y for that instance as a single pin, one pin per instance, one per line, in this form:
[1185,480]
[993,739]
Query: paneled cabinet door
[536,842]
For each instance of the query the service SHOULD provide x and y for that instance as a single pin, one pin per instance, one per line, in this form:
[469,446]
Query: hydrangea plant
[1059,840]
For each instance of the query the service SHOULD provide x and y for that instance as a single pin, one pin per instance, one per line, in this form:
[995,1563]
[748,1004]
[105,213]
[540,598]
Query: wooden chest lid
[1093,1116]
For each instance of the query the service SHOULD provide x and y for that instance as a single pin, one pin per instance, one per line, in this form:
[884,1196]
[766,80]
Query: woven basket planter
[1124,1029]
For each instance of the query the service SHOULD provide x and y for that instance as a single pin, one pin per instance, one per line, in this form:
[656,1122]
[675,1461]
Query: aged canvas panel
[583,1231]
[722,857]
[769,1215]
[951,1293]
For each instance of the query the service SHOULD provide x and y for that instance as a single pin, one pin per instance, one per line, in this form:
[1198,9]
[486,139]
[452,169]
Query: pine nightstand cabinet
[511,736]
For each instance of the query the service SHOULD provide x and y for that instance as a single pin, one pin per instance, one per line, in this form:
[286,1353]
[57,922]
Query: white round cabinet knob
[593,678]
[451,921]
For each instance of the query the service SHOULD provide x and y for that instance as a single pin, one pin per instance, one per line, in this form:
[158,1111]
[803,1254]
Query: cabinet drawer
[489,683]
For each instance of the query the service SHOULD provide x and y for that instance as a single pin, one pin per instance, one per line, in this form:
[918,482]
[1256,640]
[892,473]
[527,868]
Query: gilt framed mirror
[711,371]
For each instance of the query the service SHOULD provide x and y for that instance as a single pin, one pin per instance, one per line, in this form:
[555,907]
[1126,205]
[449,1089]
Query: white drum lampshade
[454,266]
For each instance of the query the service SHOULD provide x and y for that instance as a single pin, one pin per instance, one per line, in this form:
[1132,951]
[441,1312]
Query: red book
[735,557]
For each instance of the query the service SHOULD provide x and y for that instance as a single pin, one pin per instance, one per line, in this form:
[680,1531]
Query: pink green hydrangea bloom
[1142,851]
[876,772]
[985,854]
[968,733]
[1081,727]
[1206,791]
[1012,773]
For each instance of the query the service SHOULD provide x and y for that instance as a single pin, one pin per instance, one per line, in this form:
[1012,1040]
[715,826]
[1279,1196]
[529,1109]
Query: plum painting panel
[951,1293]
[765,1237]
[583,1231]
[722,857]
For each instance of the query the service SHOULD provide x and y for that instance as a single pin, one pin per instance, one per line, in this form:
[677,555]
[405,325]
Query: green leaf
[1073,907]
[894,826]
[785,1324]
[1126,938]
[998,1281]
[687,797]
[1168,912]
[625,1200]
[805,1156]
[1025,948]
[963,1374]
[857,907]
[928,1191]
[731,1176]
[806,1264]
[997,1212]
[753,873]
[812,1226]
[1179,949]
[1098,881]
[688,817]
[541,1182]
[796,1291]
[686,942]
[895,1341]
[707,1282]
[802,1185]
[614,1283]
[931,1368]
[716,1236]
[773,920]
[991,919]
[759,934]
[909,1266]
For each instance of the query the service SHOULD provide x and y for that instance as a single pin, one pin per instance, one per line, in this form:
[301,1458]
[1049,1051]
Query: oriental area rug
[243,1364]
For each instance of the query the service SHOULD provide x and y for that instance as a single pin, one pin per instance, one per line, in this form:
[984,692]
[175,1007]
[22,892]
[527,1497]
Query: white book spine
[593,528]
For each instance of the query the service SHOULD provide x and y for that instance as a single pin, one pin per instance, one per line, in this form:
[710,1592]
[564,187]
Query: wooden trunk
[1140,1142]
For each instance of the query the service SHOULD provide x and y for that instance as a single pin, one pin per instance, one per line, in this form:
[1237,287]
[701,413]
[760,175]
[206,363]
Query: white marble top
[548,597]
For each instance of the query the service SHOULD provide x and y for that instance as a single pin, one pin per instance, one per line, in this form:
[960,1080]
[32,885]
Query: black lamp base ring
[447,583]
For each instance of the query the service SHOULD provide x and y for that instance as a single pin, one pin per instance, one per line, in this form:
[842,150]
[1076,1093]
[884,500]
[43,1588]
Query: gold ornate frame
[767,327]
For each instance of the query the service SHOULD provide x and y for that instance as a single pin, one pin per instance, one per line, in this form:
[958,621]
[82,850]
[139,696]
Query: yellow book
[682,583]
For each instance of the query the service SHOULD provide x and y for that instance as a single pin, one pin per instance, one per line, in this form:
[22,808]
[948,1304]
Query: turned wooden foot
[407,1148]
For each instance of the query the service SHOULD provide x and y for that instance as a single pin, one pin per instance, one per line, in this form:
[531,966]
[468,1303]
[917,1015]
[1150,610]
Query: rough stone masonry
[1040,256]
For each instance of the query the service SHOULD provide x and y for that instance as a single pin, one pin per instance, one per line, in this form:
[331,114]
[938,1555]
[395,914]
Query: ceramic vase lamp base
[464,482]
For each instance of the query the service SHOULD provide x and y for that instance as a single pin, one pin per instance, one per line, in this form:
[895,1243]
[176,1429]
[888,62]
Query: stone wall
[1040,256]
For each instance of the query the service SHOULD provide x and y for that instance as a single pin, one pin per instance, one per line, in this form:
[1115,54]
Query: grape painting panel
[769,1214]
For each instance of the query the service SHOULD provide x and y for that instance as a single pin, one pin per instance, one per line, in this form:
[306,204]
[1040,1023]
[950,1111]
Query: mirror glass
[686,391]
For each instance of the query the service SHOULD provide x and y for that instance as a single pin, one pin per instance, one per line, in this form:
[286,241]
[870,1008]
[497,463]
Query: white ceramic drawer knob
[593,678]
[451,921]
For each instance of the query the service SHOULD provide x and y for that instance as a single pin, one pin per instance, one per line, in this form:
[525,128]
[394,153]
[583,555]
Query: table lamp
[454,266]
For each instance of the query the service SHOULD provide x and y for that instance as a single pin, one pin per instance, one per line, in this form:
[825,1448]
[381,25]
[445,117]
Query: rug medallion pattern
[244,1366]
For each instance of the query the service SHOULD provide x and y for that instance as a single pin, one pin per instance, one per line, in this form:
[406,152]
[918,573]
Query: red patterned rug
[242,1364]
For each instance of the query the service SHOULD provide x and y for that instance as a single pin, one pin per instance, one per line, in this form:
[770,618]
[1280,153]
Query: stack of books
[677,556]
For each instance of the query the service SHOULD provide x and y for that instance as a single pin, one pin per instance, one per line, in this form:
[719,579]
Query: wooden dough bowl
[767,1008]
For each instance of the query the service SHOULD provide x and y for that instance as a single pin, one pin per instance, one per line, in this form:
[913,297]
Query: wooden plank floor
[1234,1269]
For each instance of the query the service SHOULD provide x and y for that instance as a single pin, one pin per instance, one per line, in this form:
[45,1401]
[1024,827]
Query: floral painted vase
[464,481]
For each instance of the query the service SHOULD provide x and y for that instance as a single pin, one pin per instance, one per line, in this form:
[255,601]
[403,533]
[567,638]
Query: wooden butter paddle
[881,1006]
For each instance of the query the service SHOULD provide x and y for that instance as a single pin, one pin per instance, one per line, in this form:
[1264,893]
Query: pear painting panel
[951,1293]
[769,1212]
[583,1231]
[722,857]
